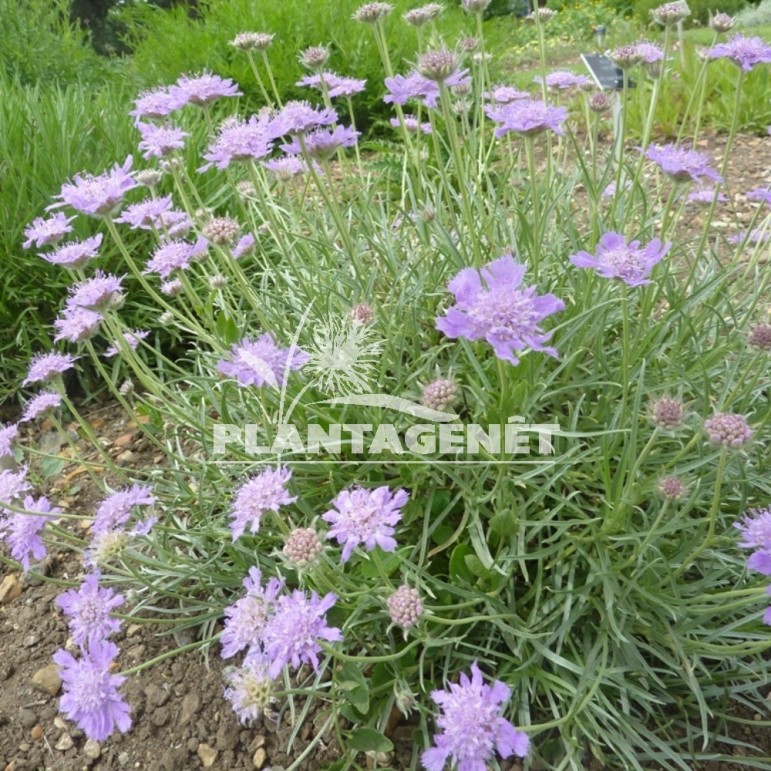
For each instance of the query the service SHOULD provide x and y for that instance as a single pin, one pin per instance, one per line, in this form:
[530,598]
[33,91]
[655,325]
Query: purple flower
[132,337]
[500,312]
[300,118]
[405,607]
[728,429]
[13,484]
[617,259]
[45,367]
[98,196]
[286,166]
[260,494]
[7,435]
[40,405]
[745,52]
[506,94]
[249,689]
[292,633]
[473,728]
[755,529]
[203,89]
[527,116]
[171,288]
[88,611]
[91,695]
[705,196]
[174,255]
[649,53]
[77,324]
[562,81]
[22,532]
[438,65]
[157,103]
[322,144]
[75,254]
[160,141]
[43,232]
[245,619]
[145,214]
[115,510]
[402,88]
[412,125]
[755,236]
[100,293]
[336,85]
[239,140]
[261,361]
[244,246]
[174,224]
[760,194]
[681,164]
[361,516]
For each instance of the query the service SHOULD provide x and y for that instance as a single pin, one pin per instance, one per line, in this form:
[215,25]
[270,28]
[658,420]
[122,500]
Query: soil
[180,718]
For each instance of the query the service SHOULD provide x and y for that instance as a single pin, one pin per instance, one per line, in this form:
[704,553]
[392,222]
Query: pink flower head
[262,493]
[39,405]
[160,141]
[491,305]
[75,254]
[617,259]
[145,214]
[157,104]
[88,610]
[131,337]
[98,196]
[682,164]
[527,116]
[261,361]
[45,367]
[562,81]
[239,140]
[336,85]
[23,532]
[43,232]
[745,52]
[174,255]
[203,89]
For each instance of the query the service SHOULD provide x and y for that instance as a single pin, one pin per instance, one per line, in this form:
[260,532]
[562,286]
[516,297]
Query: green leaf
[51,467]
[227,329]
[370,740]
[458,566]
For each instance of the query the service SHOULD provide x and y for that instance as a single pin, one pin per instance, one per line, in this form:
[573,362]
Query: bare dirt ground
[180,718]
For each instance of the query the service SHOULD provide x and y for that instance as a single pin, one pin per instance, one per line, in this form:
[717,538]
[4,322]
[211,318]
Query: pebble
[207,755]
[11,766]
[123,759]
[91,749]
[59,723]
[6,670]
[10,589]
[36,732]
[65,743]
[47,679]
[258,759]
[192,745]
[27,717]
[156,695]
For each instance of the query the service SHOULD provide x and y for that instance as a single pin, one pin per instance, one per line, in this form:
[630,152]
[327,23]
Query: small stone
[124,440]
[192,745]
[10,589]
[123,759]
[258,759]
[191,703]
[47,679]
[91,749]
[126,456]
[30,641]
[11,766]
[259,741]
[65,743]
[27,718]
[207,755]
[59,723]
[156,696]
[36,732]
[6,670]
[132,629]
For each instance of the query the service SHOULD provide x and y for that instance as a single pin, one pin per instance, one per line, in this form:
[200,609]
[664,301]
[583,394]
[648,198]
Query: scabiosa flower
[221,230]
[439,394]
[174,255]
[755,529]
[649,52]
[745,52]
[601,102]
[160,141]
[755,236]
[670,13]
[728,429]
[261,361]
[244,246]
[361,516]
[100,293]
[7,435]
[157,103]
[405,607]
[203,89]
[402,88]
[500,311]
[418,17]
[541,15]
[77,324]
[252,41]
[249,689]
[667,413]
[132,338]
[239,140]
[671,488]
[760,194]
[260,494]
[681,164]
[174,224]
[314,58]
[617,259]
[362,314]
[88,610]
[372,13]
[705,196]
[23,532]
[527,116]
[562,81]
[335,85]
[45,367]
[292,633]
[13,484]
[40,405]
[302,546]
[505,94]
[171,288]
[145,214]
[43,232]
[760,337]
[438,65]
[91,695]
[300,118]
[286,167]
[322,144]
[721,22]
[474,6]
[473,728]
[626,57]
[114,511]
[245,619]
[98,196]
